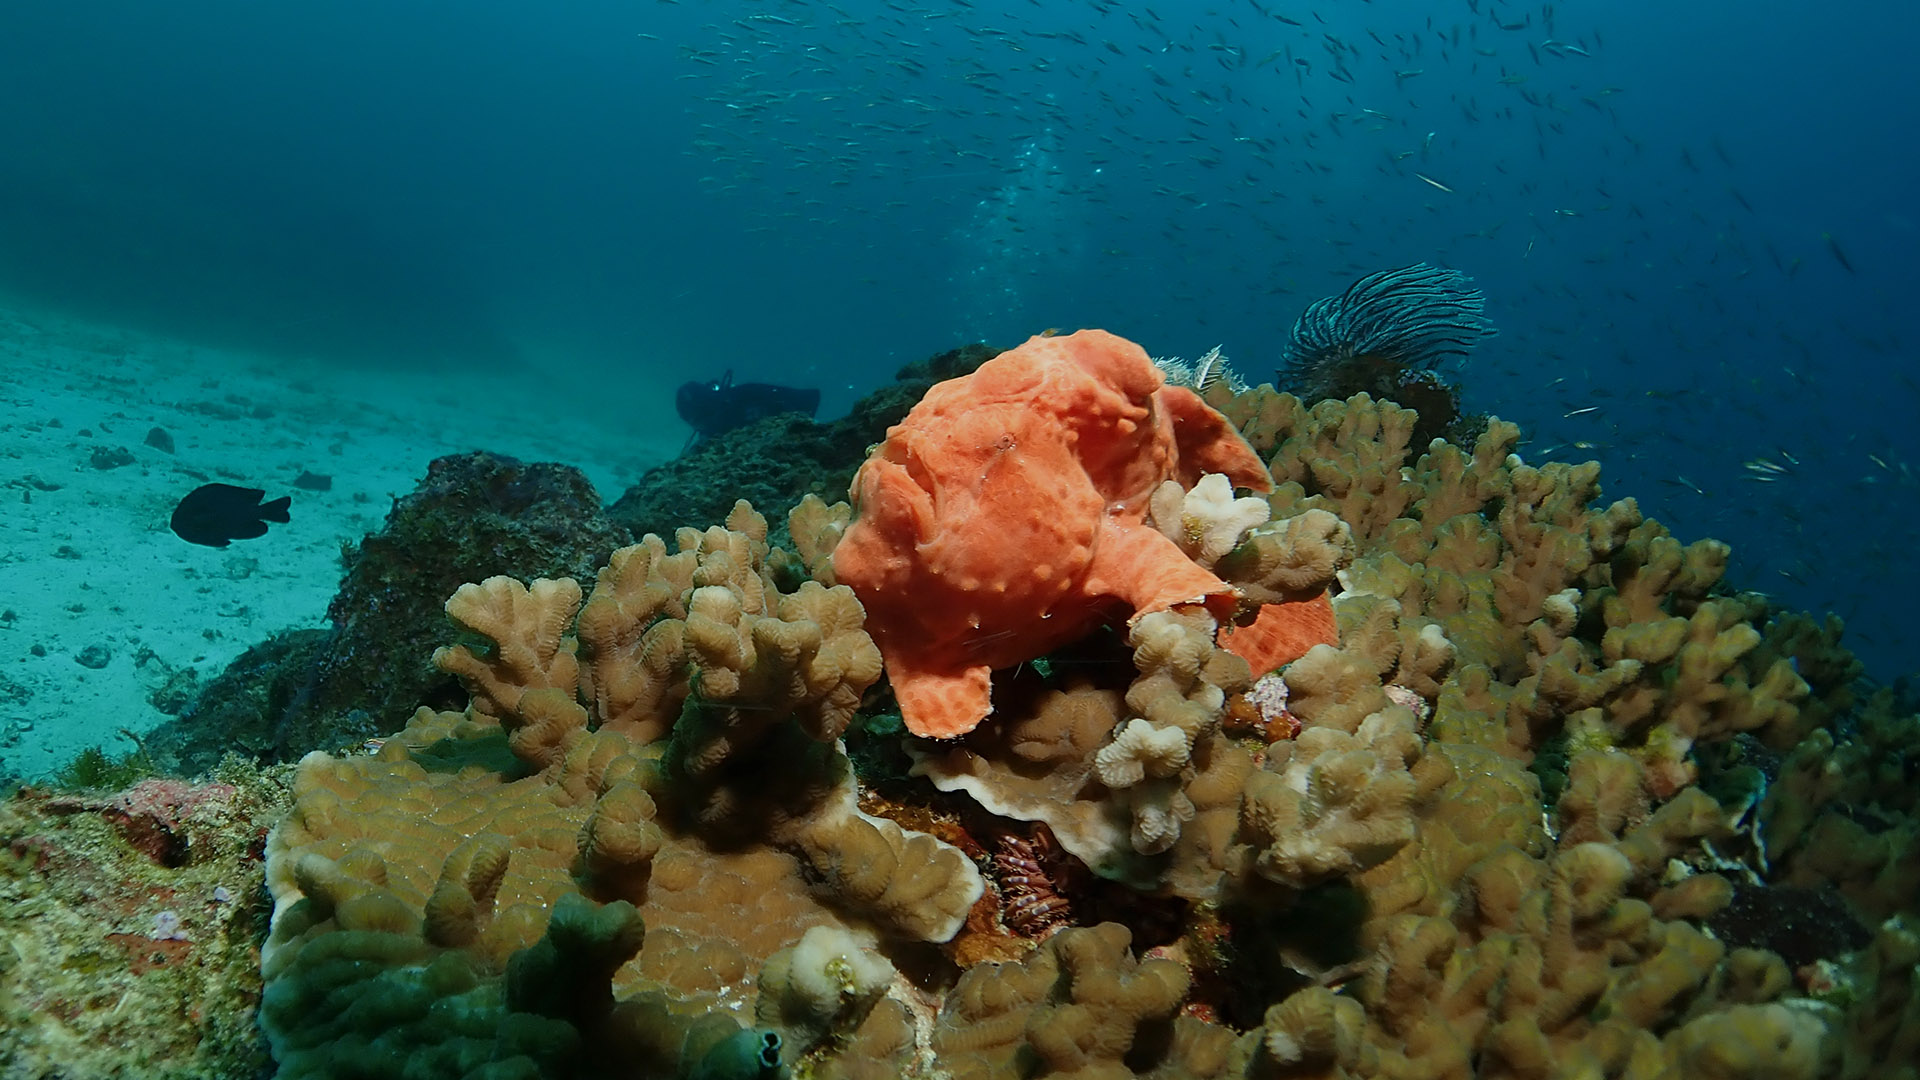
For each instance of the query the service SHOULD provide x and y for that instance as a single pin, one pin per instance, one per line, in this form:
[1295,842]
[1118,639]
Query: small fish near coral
[215,514]
[711,408]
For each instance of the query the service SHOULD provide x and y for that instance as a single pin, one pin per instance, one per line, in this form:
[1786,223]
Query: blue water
[625,195]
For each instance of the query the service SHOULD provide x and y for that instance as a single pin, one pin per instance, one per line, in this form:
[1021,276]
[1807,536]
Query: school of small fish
[1645,299]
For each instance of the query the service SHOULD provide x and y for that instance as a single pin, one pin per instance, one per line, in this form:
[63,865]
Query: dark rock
[1801,924]
[311,481]
[214,409]
[159,439]
[177,692]
[474,516]
[110,457]
[240,709]
[94,656]
[772,463]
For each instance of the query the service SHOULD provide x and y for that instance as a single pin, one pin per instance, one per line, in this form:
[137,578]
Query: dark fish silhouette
[713,407]
[213,514]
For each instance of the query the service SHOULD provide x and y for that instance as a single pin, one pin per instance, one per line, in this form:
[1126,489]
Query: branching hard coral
[1206,521]
[816,529]
[733,831]
[903,880]
[633,633]
[1295,558]
[1081,1005]
[1282,574]
[1842,811]
[522,641]
[1331,804]
[1565,628]
[1036,764]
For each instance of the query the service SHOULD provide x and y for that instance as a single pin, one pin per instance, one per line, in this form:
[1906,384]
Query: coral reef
[1844,812]
[1567,618]
[1545,798]
[473,515]
[1081,1005]
[1473,840]
[698,822]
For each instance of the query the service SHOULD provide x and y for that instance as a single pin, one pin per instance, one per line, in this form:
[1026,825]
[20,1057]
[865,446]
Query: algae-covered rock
[475,515]
[241,708]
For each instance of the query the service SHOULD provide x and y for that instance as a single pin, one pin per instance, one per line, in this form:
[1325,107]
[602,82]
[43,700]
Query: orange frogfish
[1005,517]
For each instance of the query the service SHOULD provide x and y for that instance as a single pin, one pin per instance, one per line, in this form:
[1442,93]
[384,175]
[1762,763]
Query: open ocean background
[1695,223]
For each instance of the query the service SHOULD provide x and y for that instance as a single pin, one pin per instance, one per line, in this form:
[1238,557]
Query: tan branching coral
[1572,609]
[524,641]
[1106,773]
[1300,557]
[433,853]
[1205,522]
[905,880]
[633,632]
[1337,689]
[1493,947]
[816,528]
[1541,623]
[1842,812]
[1080,1006]
[1036,764]
[1347,456]
[1331,804]
[1313,1033]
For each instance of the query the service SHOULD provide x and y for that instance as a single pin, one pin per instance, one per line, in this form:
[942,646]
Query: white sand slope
[89,570]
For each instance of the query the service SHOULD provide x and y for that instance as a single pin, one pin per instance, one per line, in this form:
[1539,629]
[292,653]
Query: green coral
[750,1054]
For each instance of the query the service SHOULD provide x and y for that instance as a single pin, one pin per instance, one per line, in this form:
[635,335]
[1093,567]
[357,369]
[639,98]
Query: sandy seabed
[101,605]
